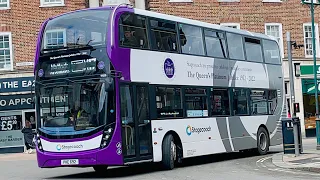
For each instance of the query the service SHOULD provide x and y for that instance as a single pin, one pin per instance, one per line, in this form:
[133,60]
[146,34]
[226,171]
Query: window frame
[317,39]
[247,97]
[7,7]
[230,24]
[224,39]
[64,31]
[266,100]
[208,91]
[149,29]
[153,99]
[50,4]
[202,38]
[245,51]
[230,100]
[9,34]
[280,34]
[148,32]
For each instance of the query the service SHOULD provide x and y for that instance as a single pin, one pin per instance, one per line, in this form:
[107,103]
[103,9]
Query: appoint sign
[19,101]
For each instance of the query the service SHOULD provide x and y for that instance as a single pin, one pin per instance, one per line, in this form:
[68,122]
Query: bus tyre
[169,154]
[263,141]
[100,169]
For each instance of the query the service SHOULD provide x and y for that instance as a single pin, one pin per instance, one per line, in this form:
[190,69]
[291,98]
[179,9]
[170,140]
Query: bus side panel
[199,136]
[276,81]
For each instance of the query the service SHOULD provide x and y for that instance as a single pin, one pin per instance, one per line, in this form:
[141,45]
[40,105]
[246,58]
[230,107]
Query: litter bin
[288,135]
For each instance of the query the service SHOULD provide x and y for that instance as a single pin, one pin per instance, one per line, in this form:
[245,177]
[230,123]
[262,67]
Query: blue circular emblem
[40,72]
[168,68]
[101,65]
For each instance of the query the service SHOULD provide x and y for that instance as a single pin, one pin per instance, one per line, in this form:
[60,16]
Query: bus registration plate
[69,161]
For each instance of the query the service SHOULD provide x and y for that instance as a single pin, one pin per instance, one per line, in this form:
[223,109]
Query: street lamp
[312,4]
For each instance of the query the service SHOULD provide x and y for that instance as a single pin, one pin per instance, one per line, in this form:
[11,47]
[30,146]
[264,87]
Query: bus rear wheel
[263,141]
[100,169]
[169,153]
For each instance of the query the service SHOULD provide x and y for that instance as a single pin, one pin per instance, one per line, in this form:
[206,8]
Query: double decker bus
[118,85]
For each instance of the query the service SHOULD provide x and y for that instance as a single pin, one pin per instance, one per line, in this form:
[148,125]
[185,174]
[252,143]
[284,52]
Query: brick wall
[251,14]
[24,19]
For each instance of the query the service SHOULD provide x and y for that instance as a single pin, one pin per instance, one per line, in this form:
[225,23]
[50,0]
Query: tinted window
[215,44]
[235,46]
[258,102]
[272,101]
[133,31]
[191,39]
[164,35]
[168,102]
[240,104]
[220,102]
[253,50]
[196,102]
[271,52]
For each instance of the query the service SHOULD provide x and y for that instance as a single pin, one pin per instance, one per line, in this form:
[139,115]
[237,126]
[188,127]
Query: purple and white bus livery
[117,86]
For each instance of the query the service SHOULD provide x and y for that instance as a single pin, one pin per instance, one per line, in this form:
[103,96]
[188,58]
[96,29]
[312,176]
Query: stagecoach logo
[68,147]
[169,68]
[190,130]
[58,147]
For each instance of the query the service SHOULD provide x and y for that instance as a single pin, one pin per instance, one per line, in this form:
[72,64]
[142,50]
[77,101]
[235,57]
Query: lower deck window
[220,102]
[196,102]
[240,103]
[168,101]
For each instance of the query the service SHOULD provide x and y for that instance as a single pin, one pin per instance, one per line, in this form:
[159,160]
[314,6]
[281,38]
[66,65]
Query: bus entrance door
[136,124]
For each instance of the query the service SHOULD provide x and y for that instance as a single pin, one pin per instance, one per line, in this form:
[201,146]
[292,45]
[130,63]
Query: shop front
[15,108]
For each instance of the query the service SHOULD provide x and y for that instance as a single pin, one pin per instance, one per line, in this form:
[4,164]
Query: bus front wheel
[169,154]
[263,141]
[100,169]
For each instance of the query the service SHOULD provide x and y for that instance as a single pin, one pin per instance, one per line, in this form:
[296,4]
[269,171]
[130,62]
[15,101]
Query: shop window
[164,35]
[240,103]
[191,39]
[10,129]
[168,101]
[196,102]
[220,102]
[258,103]
[272,101]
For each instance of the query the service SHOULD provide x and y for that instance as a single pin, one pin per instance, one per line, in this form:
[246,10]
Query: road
[222,166]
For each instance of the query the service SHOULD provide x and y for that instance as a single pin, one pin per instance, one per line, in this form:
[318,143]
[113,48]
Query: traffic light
[296,107]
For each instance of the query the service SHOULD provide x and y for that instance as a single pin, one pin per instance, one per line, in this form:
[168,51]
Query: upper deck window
[271,52]
[76,29]
[133,31]
[253,49]
[163,35]
[191,39]
[235,46]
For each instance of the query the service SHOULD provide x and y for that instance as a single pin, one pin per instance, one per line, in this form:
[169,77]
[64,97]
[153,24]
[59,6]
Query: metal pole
[292,97]
[315,74]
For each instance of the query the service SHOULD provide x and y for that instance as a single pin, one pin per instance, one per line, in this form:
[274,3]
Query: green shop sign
[308,69]
[308,86]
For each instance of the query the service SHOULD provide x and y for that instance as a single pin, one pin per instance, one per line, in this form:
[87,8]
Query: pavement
[308,160]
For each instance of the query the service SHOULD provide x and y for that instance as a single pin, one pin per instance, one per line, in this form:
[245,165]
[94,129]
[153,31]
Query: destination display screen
[83,66]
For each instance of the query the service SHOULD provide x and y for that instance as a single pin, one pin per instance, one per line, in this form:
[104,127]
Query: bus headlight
[106,137]
[38,140]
